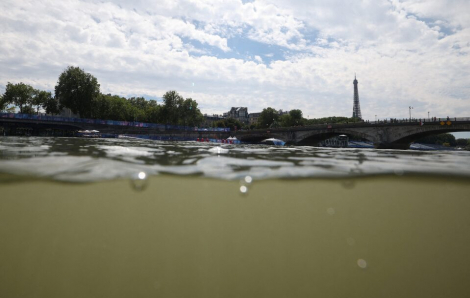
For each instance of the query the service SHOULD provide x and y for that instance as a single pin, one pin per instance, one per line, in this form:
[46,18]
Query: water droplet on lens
[248,179]
[399,172]
[139,182]
[348,184]
[330,211]
[243,189]
[362,263]
[351,241]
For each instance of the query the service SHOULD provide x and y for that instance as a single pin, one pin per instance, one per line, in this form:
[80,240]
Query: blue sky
[295,54]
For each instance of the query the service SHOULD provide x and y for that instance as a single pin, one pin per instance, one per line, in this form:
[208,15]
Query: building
[253,118]
[356,106]
[210,119]
[239,113]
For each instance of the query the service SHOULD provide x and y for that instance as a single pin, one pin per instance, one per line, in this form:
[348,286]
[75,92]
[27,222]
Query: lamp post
[410,111]
[375,118]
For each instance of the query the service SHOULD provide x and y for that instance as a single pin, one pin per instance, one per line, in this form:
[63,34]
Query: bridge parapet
[384,134]
[395,135]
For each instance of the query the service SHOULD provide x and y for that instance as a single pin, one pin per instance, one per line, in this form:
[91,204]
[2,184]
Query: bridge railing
[109,122]
[419,120]
[389,121]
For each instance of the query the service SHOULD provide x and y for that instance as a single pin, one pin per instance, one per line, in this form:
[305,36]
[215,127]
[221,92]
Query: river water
[140,218]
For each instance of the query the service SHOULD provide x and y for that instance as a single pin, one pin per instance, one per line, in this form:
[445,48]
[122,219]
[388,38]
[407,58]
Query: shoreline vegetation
[79,92]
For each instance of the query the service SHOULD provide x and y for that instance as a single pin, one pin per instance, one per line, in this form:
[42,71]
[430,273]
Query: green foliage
[28,110]
[25,97]
[77,90]
[296,115]
[102,106]
[51,105]
[331,120]
[41,99]
[176,110]
[179,111]
[462,142]
[19,94]
[153,112]
[171,101]
[267,117]
[190,115]
[119,109]
[3,104]
[294,118]
[438,139]
[231,123]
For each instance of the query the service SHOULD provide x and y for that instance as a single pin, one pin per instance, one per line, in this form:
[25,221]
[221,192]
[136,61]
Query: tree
[231,123]
[51,105]
[153,114]
[28,110]
[139,102]
[438,139]
[3,104]
[462,142]
[294,118]
[101,107]
[331,120]
[18,94]
[119,108]
[40,98]
[171,101]
[77,90]
[267,117]
[189,113]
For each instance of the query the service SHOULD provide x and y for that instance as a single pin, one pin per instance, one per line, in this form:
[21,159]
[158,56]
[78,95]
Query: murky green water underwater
[136,218]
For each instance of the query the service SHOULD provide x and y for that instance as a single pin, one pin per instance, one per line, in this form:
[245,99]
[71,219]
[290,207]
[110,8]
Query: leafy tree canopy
[171,101]
[231,123]
[50,104]
[3,104]
[77,90]
[40,99]
[18,94]
[179,111]
[462,142]
[331,120]
[267,117]
[438,139]
[294,118]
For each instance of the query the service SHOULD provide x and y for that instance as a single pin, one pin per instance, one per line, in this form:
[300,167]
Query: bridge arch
[415,135]
[313,138]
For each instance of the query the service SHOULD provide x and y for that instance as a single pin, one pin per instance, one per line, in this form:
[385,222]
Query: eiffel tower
[356,107]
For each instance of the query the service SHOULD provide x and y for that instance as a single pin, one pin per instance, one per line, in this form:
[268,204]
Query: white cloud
[404,53]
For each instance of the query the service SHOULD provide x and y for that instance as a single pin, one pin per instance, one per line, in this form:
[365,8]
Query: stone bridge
[383,135]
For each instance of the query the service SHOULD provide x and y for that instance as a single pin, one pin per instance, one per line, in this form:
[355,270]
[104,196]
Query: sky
[284,54]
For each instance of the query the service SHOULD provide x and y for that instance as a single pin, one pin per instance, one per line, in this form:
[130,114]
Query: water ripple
[81,160]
